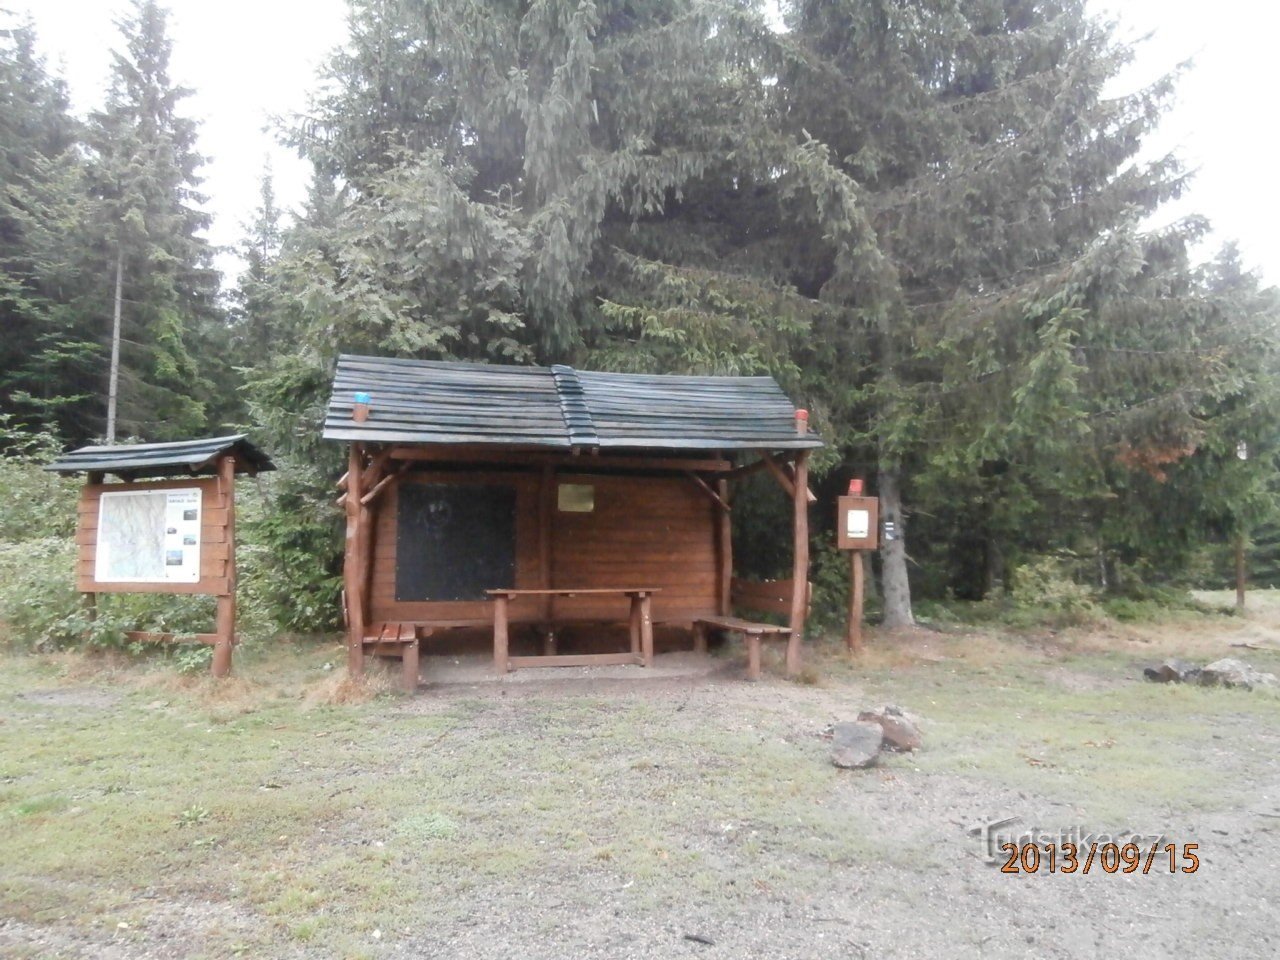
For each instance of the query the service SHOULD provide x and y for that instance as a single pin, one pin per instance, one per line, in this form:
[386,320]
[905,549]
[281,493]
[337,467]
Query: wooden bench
[395,639]
[400,640]
[764,596]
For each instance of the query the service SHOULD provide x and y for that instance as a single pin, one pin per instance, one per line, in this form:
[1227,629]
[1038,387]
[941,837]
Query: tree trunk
[869,575]
[113,382]
[895,587]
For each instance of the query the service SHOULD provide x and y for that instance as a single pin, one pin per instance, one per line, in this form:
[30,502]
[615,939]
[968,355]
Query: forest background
[928,219]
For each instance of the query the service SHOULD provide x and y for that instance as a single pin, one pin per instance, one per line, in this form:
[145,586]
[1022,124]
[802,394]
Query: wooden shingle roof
[178,459]
[438,402]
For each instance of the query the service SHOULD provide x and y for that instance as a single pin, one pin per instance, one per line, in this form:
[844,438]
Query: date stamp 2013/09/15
[1007,843]
[1097,857]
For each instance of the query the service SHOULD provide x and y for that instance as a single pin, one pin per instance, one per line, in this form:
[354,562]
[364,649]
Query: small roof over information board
[184,458]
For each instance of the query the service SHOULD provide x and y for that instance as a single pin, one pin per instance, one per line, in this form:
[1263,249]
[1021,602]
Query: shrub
[43,610]
[34,504]
[831,578]
[290,555]
[1046,582]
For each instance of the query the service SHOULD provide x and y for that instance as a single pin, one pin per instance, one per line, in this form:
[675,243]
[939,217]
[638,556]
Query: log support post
[699,637]
[1241,575]
[754,641]
[409,666]
[853,634]
[93,478]
[225,622]
[634,625]
[724,553]
[646,629]
[500,635]
[354,578]
[800,562]
[546,511]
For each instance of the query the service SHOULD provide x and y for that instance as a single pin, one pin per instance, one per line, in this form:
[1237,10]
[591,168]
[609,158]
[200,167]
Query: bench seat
[395,639]
[764,596]
[738,625]
[753,633]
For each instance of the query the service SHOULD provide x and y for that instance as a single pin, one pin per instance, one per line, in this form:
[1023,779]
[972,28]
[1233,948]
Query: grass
[315,810]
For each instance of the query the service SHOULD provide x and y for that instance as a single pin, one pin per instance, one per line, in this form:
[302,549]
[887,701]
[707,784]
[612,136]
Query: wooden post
[646,629]
[724,553]
[800,562]
[1240,570]
[93,478]
[699,637]
[753,655]
[500,635]
[366,527]
[225,622]
[409,666]
[352,572]
[546,510]
[635,624]
[364,553]
[853,634]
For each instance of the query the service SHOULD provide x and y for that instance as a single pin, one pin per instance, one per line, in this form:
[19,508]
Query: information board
[857,523]
[149,536]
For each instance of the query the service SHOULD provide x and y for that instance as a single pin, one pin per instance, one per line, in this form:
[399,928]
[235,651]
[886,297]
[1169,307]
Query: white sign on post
[858,523]
[148,536]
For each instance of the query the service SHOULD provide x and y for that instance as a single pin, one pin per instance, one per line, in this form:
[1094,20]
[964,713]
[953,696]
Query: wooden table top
[572,592]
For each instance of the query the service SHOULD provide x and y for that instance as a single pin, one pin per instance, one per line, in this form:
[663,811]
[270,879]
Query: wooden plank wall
[215,548]
[644,531]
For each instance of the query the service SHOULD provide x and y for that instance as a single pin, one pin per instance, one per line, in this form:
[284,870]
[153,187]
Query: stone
[1229,672]
[900,731]
[856,745]
[1172,671]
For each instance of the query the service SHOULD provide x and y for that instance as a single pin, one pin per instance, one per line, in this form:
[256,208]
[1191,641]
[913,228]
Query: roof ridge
[573,407]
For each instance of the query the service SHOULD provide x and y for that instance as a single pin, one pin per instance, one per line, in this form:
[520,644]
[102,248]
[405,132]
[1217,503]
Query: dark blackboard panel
[454,541]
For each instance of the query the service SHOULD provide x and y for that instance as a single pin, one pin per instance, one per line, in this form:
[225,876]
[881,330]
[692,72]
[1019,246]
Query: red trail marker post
[857,529]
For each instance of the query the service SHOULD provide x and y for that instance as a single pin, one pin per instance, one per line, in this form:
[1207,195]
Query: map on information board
[149,536]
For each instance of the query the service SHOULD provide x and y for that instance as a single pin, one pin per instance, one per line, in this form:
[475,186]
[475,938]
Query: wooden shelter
[540,498]
[167,526]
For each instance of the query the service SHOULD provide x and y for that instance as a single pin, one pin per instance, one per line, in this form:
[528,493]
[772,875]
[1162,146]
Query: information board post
[853,631]
[857,530]
[225,618]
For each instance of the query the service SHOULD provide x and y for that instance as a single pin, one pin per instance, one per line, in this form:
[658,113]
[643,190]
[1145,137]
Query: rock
[1229,672]
[1173,671]
[857,744]
[900,732]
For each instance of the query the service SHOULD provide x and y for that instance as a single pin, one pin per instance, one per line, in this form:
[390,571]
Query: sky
[252,60]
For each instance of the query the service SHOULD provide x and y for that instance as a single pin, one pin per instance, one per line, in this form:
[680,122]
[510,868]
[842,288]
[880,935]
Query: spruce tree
[993,276]
[46,353]
[155,266]
[482,153]
[255,315]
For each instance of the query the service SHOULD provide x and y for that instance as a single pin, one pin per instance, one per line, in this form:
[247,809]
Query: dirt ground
[615,813]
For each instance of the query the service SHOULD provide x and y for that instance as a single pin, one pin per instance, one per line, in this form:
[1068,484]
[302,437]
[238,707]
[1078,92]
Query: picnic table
[640,623]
